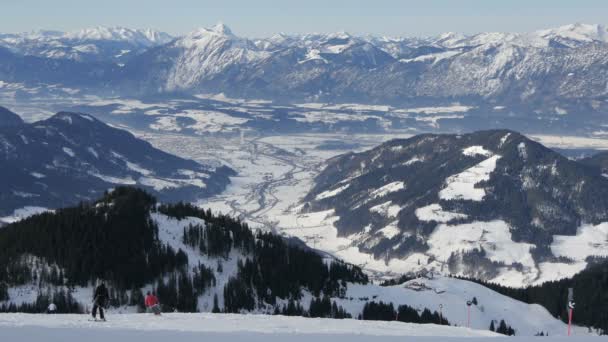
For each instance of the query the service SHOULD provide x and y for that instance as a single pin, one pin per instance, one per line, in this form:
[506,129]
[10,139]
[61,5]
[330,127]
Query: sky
[262,18]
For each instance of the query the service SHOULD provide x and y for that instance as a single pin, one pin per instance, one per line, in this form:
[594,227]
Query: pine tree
[502,327]
[492,326]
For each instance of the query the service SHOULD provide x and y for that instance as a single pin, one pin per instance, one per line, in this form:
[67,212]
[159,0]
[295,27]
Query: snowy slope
[228,327]
[452,294]
[214,327]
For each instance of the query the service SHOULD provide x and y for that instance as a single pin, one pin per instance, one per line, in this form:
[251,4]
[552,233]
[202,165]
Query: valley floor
[225,327]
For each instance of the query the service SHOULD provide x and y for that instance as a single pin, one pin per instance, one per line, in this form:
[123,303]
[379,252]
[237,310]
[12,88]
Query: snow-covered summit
[577,33]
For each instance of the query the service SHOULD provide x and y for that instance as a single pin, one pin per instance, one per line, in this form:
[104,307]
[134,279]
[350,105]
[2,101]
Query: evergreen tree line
[380,311]
[60,297]
[220,235]
[112,239]
[503,328]
[590,294]
[325,308]
[319,308]
[277,269]
[116,240]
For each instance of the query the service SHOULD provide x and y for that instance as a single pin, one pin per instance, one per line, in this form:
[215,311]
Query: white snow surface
[589,240]
[69,151]
[452,294]
[493,236]
[462,186]
[387,189]
[434,212]
[387,209]
[473,151]
[217,327]
[331,193]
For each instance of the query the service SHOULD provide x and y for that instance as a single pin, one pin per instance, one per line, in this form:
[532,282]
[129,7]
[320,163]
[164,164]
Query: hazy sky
[258,18]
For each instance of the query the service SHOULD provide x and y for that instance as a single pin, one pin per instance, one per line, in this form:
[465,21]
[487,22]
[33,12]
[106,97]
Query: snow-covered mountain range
[100,43]
[493,205]
[556,71]
[73,157]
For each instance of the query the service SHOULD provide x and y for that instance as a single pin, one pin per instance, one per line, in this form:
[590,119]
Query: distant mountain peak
[72,117]
[71,157]
[577,32]
[222,28]
[9,118]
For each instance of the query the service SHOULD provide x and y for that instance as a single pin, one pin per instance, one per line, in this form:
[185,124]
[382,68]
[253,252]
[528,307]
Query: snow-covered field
[227,327]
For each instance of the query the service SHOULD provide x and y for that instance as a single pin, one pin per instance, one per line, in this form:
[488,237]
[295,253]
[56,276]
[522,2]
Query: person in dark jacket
[99,300]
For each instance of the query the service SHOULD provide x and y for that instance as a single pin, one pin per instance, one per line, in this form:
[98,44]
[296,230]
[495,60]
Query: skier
[99,300]
[152,304]
[51,309]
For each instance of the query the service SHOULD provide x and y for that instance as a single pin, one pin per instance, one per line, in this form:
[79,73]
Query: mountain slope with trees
[72,157]
[493,205]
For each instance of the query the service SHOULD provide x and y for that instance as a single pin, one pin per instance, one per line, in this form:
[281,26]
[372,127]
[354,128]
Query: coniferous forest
[115,239]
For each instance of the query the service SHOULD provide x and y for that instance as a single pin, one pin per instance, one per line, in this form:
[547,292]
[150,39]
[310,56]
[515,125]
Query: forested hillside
[117,239]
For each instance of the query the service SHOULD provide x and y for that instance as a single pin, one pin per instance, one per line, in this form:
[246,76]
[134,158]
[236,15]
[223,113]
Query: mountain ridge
[72,157]
[492,204]
[554,72]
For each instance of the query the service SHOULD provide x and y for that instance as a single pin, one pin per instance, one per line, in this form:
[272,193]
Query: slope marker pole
[469,303]
[570,308]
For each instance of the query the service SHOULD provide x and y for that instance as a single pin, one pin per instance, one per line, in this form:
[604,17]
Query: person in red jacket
[152,303]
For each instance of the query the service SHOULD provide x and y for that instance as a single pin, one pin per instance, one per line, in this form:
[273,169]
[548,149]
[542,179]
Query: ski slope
[226,327]
[450,296]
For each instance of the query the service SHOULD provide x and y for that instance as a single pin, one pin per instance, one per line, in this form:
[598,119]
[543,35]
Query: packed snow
[217,327]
